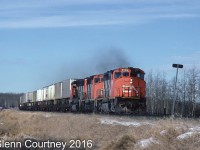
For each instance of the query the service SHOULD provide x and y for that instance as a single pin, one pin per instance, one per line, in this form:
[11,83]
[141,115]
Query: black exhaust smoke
[98,62]
[111,59]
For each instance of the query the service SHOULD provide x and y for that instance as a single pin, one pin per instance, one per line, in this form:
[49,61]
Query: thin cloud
[41,14]
[68,21]
[13,4]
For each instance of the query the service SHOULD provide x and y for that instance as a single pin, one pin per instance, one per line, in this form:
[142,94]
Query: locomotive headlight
[131,81]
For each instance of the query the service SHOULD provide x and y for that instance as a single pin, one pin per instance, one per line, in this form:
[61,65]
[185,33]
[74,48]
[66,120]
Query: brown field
[106,132]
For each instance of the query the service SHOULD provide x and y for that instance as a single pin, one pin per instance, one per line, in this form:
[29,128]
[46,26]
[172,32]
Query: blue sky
[42,42]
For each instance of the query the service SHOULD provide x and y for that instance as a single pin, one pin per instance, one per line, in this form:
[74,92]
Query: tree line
[160,93]
[9,100]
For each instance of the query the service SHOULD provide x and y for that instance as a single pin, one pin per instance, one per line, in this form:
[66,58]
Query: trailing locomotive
[118,91]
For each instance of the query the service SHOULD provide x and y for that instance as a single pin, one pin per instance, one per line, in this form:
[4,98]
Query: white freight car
[40,94]
[63,89]
[51,92]
[60,90]
[30,97]
[34,96]
[45,93]
[66,88]
[24,98]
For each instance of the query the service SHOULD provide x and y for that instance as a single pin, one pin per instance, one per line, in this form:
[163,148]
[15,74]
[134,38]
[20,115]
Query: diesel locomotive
[118,91]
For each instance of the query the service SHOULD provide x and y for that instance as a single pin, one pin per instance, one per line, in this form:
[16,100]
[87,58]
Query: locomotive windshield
[118,75]
[126,74]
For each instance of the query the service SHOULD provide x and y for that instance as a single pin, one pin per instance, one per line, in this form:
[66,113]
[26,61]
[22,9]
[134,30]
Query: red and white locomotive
[116,91]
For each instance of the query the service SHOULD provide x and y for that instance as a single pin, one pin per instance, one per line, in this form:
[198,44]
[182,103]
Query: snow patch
[123,123]
[146,142]
[48,115]
[163,132]
[116,122]
[177,128]
[191,132]
[185,135]
[28,136]
[195,129]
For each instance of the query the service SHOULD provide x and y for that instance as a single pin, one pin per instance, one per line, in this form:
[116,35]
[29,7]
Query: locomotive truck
[118,91]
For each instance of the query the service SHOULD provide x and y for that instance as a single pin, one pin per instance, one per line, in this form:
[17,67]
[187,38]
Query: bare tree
[156,93]
[160,94]
[8,100]
[192,88]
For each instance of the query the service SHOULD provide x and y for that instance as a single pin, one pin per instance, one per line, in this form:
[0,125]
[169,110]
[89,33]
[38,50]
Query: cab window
[126,74]
[141,76]
[96,80]
[118,75]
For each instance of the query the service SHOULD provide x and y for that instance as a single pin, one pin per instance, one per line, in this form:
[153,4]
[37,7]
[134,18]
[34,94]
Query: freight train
[118,91]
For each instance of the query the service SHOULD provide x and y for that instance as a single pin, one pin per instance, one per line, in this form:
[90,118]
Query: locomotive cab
[128,83]
[97,86]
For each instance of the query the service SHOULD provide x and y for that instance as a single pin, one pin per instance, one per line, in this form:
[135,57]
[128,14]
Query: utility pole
[175,90]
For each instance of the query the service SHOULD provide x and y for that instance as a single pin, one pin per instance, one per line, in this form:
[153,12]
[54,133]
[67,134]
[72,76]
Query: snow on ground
[163,132]
[195,129]
[185,135]
[47,115]
[110,121]
[146,142]
[28,136]
[116,122]
[191,132]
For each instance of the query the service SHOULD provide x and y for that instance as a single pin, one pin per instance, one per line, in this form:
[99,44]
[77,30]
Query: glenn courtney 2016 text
[32,144]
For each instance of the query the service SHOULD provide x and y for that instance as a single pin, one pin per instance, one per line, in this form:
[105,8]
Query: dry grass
[19,125]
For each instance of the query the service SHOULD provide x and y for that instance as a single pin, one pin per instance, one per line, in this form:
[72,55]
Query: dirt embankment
[106,132]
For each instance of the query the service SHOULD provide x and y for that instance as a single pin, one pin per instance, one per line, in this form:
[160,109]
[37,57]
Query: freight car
[121,90]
